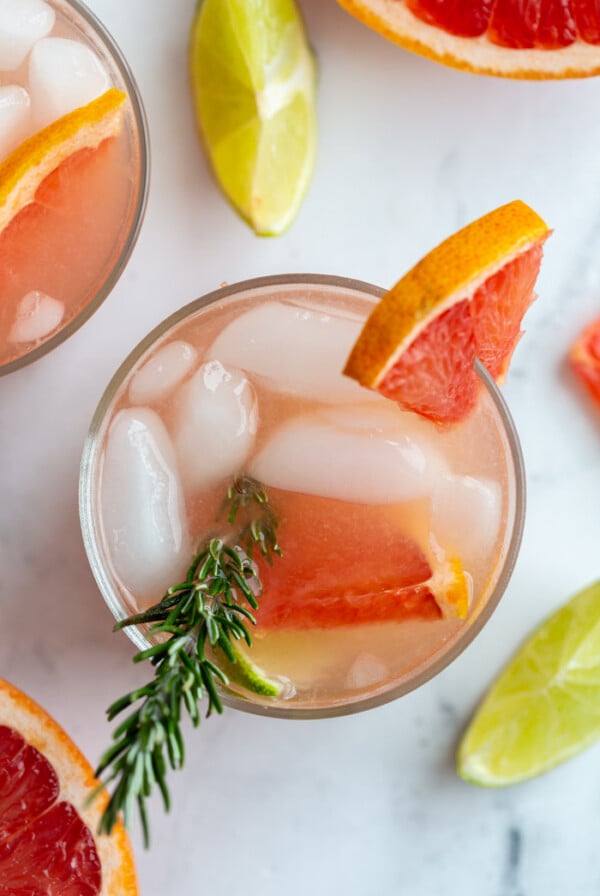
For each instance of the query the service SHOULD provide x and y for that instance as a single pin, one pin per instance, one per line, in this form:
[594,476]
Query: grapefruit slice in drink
[536,39]
[464,300]
[47,836]
[350,564]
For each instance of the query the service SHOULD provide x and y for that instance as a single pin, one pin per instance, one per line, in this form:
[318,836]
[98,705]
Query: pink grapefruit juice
[61,253]
[384,517]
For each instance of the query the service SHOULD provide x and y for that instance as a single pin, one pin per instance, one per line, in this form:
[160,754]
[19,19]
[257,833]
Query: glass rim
[139,209]
[91,536]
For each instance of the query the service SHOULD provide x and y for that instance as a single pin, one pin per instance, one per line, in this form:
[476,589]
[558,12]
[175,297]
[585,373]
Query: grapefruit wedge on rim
[463,301]
[537,39]
[48,844]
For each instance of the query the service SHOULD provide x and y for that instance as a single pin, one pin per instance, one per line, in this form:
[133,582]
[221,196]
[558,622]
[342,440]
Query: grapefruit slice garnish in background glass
[22,172]
[462,301]
[47,834]
[584,358]
[352,564]
[533,39]
[53,202]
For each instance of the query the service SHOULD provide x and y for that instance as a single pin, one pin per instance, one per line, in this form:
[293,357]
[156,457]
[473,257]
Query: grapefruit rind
[450,273]
[77,782]
[25,168]
[452,588]
[396,22]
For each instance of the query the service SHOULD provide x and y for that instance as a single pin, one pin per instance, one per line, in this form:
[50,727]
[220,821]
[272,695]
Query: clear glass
[90,484]
[93,32]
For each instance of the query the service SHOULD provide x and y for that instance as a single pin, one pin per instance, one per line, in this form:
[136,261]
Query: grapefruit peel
[394,20]
[77,783]
[22,172]
[452,588]
[451,273]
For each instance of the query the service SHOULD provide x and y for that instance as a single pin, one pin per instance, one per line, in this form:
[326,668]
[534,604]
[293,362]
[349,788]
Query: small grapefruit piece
[509,38]
[48,845]
[584,359]
[22,172]
[349,564]
[464,300]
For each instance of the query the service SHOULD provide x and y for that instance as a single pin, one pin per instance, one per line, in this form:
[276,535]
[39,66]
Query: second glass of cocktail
[73,172]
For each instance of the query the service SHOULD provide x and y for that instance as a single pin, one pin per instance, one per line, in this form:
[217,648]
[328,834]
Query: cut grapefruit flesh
[512,38]
[462,301]
[47,842]
[347,565]
[584,358]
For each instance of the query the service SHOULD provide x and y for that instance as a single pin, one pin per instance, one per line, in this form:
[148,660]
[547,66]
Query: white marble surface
[367,804]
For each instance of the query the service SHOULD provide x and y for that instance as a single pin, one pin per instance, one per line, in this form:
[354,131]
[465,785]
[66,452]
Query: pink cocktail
[64,245]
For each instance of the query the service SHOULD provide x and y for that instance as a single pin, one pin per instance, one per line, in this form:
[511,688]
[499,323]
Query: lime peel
[545,706]
[250,676]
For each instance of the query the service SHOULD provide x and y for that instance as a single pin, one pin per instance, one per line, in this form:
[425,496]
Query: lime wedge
[248,675]
[545,706]
[253,79]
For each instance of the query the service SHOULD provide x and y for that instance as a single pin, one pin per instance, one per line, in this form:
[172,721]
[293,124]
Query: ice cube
[215,424]
[37,316]
[294,350]
[374,462]
[466,516]
[63,75]
[22,23]
[142,506]
[165,370]
[15,108]
[365,671]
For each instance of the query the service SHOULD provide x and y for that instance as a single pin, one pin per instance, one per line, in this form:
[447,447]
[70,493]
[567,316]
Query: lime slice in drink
[248,675]
[545,706]
[253,79]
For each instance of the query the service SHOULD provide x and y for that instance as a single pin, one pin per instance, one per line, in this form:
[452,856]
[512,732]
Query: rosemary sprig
[209,608]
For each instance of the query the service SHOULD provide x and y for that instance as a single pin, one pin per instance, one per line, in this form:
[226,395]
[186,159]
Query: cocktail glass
[445,488]
[62,255]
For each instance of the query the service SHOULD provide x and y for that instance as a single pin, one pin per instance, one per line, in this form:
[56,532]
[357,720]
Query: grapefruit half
[511,38]
[462,301]
[48,845]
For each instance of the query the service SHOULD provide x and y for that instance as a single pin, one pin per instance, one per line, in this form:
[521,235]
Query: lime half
[545,706]
[253,79]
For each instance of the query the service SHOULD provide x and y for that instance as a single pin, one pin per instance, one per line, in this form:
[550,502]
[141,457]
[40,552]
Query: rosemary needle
[212,607]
